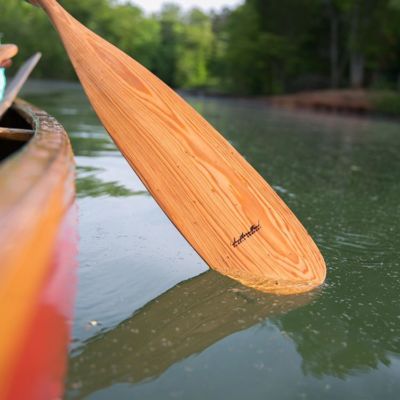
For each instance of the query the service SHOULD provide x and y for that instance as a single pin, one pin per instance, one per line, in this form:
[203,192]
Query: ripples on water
[209,337]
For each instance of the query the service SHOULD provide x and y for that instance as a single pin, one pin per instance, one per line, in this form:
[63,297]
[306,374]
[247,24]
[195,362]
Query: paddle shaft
[221,205]
[18,82]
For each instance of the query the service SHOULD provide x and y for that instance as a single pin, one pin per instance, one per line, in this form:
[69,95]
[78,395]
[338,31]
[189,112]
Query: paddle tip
[284,285]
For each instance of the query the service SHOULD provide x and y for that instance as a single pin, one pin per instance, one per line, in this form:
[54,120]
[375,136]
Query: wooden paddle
[18,81]
[220,204]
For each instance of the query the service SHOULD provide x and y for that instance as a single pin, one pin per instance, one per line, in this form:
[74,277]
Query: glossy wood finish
[37,189]
[18,81]
[221,205]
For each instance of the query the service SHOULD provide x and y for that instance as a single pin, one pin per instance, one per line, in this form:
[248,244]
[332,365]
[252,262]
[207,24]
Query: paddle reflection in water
[182,322]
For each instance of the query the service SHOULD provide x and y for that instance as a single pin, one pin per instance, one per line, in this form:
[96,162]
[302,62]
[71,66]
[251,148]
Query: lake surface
[153,323]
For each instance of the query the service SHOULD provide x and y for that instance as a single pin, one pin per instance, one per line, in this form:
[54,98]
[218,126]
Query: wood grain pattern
[206,188]
[18,81]
[37,186]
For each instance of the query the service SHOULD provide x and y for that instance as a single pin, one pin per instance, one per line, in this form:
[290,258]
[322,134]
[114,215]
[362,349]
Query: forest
[263,47]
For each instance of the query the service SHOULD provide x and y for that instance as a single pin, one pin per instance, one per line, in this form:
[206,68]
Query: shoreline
[357,101]
[361,102]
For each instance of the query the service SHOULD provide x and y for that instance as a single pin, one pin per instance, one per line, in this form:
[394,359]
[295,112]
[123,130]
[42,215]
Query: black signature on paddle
[244,236]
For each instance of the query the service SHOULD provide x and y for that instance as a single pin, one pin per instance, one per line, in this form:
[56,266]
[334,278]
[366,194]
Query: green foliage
[28,27]
[386,102]
[197,41]
[261,47]
[170,47]
[257,60]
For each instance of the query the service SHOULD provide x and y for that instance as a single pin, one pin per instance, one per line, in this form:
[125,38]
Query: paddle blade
[220,204]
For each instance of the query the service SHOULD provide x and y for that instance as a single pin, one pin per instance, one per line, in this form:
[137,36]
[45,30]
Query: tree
[197,42]
[365,25]
[261,53]
[260,47]
[170,45]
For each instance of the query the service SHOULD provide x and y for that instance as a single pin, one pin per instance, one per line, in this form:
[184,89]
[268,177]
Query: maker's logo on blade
[244,236]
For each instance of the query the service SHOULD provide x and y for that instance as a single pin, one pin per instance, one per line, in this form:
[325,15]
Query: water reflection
[182,322]
[341,177]
[91,145]
[88,185]
[353,328]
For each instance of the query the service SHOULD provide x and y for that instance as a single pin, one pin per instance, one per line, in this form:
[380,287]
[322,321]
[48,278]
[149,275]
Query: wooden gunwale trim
[37,188]
[49,148]
[19,135]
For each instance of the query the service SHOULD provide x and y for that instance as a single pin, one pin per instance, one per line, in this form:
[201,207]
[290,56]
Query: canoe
[37,253]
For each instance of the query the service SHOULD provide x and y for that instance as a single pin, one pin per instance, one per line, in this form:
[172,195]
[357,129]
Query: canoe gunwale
[48,148]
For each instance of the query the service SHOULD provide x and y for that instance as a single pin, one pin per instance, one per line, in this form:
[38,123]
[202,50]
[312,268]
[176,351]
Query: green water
[164,328]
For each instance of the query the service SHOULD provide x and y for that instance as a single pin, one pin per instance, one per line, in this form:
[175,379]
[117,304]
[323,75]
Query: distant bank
[360,101]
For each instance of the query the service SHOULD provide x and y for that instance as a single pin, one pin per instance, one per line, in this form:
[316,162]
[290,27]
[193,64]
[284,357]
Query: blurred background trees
[261,47]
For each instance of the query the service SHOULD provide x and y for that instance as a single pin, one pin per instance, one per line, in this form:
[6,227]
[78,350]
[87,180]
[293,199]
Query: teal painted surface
[340,175]
[2,83]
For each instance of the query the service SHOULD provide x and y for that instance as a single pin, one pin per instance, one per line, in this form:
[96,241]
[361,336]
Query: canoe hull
[38,247]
